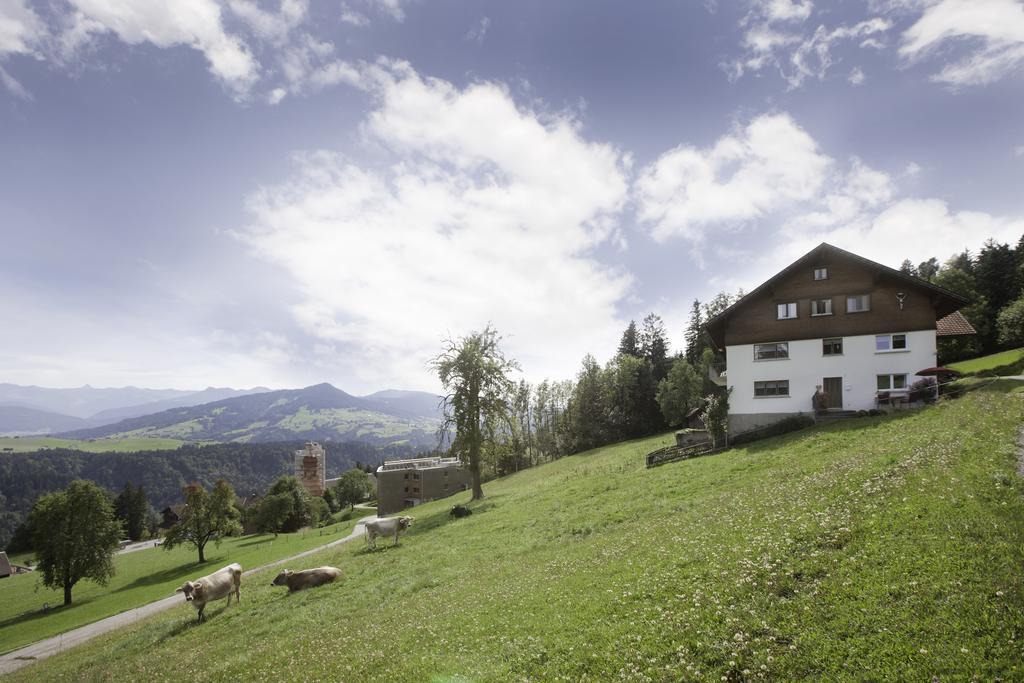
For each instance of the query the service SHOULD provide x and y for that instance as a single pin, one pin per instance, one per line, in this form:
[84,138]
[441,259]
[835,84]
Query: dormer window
[821,273]
[786,311]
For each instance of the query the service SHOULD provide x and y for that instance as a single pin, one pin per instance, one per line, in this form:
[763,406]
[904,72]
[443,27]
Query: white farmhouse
[835,323]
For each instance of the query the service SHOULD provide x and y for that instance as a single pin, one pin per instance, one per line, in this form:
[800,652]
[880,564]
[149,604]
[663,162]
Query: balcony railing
[716,373]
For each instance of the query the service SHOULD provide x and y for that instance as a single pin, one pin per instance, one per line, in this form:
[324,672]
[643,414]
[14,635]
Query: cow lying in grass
[222,583]
[460,511]
[386,527]
[307,578]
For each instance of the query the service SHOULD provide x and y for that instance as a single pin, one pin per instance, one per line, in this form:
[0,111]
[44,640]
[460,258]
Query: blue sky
[232,192]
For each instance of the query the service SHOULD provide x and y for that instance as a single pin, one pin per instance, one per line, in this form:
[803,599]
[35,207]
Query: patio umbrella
[940,375]
[936,372]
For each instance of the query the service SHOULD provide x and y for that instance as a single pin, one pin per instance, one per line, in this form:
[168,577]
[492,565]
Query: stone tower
[311,468]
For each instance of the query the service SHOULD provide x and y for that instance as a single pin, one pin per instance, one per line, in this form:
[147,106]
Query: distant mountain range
[40,410]
[21,420]
[320,412]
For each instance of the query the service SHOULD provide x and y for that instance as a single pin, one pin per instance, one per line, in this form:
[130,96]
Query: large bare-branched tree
[475,375]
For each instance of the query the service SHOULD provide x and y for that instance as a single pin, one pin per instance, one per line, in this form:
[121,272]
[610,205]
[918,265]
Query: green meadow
[1005,362]
[142,576]
[883,548]
[22,444]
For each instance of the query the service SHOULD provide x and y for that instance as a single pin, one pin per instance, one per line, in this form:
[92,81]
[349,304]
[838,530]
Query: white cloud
[392,7]
[478,31]
[773,37]
[1019,151]
[785,10]
[271,26]
[996,27]
[485,212]
[856,76]
[916,229]
[760,168]
[276,95]
[193,23]
[21,31]
[351,16]
[395,9]
[20,28]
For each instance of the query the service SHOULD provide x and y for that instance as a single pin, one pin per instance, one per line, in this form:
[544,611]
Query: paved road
[141,545]
[16,659]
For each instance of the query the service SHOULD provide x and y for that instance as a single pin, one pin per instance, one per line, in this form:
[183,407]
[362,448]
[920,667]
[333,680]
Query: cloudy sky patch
[278,193]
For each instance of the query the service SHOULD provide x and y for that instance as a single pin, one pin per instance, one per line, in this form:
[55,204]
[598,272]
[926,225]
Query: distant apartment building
[311,468]
[405,483]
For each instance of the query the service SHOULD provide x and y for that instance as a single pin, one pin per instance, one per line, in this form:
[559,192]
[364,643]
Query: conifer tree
[630,343]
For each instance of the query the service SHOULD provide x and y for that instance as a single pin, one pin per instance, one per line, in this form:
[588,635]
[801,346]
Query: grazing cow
[307,578]
[222,583]
[460,511]
[386,527]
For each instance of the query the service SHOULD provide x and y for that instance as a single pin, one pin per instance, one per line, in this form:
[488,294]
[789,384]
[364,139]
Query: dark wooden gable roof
[945,301]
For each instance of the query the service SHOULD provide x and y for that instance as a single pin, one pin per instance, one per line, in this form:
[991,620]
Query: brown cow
[222,583]
[307,578]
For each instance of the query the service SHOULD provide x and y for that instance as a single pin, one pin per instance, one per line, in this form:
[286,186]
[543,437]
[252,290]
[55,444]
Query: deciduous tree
[1011,324]
[352,487]
[208,516]
[475,373]
[74,535]
[680,392]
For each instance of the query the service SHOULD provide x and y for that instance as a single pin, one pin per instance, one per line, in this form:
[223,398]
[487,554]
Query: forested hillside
[250,468]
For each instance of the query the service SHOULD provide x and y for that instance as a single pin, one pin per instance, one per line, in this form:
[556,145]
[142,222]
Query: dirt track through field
[48,647]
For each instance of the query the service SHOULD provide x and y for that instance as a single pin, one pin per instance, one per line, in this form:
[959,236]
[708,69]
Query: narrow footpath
[16,659]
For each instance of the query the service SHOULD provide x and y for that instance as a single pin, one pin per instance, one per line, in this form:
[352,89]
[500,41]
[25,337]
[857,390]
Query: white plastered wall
[807,366]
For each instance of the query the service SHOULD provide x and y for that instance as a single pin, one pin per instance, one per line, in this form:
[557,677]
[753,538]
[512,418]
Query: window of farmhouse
[779,387]
[891,342]
[890,382]
[858,304]
[787,310]
[771,351]
[821,307]
[832,347]
[821,273]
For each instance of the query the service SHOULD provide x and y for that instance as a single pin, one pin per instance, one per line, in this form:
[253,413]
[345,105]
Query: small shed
[172,515]
[6,568]
[693,419]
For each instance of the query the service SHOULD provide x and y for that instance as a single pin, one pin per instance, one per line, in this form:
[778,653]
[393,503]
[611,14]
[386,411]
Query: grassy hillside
[26,444]
[142,576]
[1004,363]
[875,549]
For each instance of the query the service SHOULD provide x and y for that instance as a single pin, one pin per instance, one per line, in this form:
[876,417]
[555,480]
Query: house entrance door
[833,386]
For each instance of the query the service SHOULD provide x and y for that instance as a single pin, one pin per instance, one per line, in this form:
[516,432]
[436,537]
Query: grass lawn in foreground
[1008,360]
[22,444]
[142,576]
[886,548]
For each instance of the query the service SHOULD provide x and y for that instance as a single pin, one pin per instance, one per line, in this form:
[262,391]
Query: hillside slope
[319,412]
[16,420]
[879,549]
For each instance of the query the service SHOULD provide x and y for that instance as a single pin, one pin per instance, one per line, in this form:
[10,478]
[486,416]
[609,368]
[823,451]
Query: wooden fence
[675,453]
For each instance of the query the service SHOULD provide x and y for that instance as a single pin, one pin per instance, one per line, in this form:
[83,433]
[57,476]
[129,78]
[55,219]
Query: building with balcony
[406,483]
[832,323]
